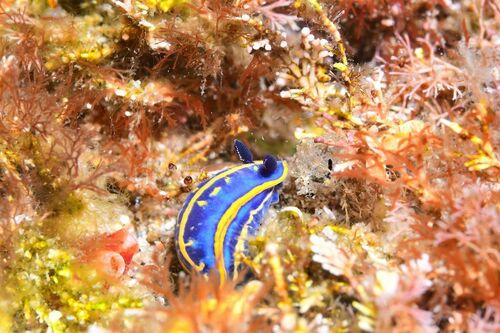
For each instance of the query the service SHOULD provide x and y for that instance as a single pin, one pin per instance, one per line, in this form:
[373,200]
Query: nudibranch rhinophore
[223,211]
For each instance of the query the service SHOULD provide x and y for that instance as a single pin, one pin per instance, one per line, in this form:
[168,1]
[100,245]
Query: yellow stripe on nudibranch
[244,232]
[189,208]
[215,191]
[231,213]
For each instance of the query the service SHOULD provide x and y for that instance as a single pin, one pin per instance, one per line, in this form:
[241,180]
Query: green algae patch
[48,287]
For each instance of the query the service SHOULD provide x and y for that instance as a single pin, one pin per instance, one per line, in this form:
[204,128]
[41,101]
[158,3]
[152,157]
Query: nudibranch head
[222,212]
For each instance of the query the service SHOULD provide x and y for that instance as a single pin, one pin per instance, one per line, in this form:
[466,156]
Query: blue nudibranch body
[223,211]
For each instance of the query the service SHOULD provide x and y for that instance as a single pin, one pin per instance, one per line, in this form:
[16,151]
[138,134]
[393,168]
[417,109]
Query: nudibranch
[222,212]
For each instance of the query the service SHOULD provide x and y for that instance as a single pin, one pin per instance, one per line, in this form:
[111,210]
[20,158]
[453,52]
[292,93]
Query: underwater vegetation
[384,114]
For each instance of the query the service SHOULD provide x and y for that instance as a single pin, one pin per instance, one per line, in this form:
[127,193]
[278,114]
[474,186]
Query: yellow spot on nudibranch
[227,180]
[215,191]
[201,203]
[255,168]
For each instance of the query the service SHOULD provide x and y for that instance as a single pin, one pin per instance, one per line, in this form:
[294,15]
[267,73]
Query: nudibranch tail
[219,216]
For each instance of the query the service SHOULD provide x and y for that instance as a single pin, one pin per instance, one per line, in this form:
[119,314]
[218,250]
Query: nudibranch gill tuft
[222,212]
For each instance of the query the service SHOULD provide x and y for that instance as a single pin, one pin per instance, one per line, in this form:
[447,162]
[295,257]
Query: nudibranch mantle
[221,213]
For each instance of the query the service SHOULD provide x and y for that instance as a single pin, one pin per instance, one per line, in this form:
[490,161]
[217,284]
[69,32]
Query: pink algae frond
[419,74]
